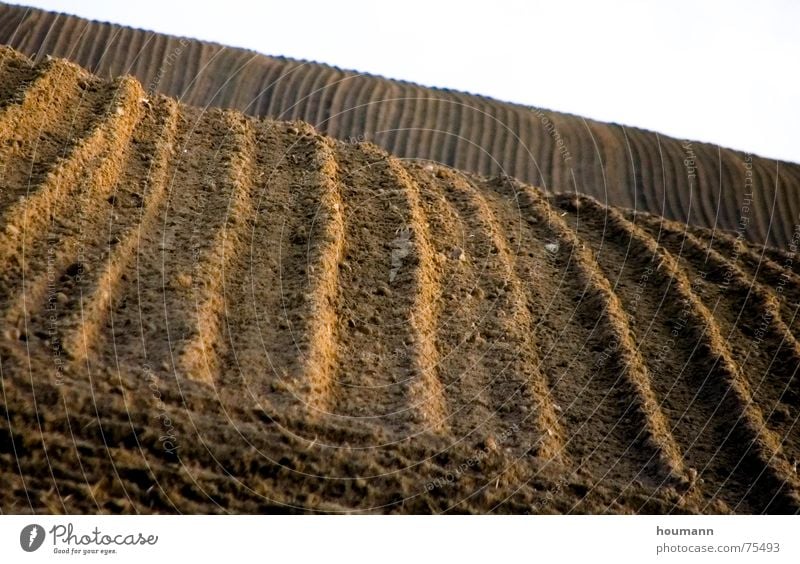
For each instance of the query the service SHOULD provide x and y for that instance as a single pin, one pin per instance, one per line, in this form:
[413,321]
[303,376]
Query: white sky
[723,72]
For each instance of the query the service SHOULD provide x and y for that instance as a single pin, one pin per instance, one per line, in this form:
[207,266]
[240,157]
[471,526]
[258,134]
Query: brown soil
[205,312]
[701,184]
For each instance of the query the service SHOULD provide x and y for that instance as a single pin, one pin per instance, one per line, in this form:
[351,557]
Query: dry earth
[207,312]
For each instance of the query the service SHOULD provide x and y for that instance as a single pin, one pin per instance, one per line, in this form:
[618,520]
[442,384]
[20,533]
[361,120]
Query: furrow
[519,385]
[731,175]
[346,122]
[451,143]
[462,143]
[757,221]
[410,131]
[707,185]
[198,353]
[11,26]
[297,106]
[89,172]
[757,325]
[762,446]
[281,99]
[594,172]
[388,111]
[681,195]
[327,230]
[546,153]
[666,458]
[394,134]
[106,138]
[317,112]
[100,43]
[269,323]
[99,294]
[612,158]
[462,318]
[427,396]
[372,114]
[419,140]
[199,356]
[786,208]
[567,176]
[749,288]
[34,35]
[42,92]
[332,124]
[668,179]
[155,316]
[576,175]
[511,142]
[441,108]
[79,43]
[658,192]
[773,271]
[266,88]
[389,298]
[528,164]
[485,133]
[16,74]
[130,54]
[209,61]
[67,304]
[689,406]
[239,90]
[642,164]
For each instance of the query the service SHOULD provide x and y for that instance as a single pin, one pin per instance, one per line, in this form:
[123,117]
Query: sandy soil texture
[698,183]
[207,312]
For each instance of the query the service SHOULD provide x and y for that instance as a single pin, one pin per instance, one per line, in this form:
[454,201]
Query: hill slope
[698,183]
[207,312]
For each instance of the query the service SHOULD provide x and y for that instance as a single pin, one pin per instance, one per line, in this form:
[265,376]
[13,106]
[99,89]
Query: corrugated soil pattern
[207,312]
